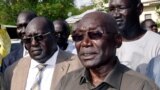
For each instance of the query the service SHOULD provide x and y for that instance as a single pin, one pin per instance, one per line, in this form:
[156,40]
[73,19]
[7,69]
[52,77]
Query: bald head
[40,23]
[39,39]
[96,39]
[99,19]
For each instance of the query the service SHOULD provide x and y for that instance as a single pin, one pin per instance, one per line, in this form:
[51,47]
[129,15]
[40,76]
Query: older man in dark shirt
[96,39]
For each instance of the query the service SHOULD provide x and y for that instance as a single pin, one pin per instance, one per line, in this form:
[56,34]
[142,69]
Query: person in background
[138,45]
[96,39]
[62,32]
[5,44]
[22,20]
[149,24]
[46,63]
[153,70]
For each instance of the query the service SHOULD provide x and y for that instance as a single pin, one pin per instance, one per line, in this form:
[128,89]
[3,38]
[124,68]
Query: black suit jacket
[12,57]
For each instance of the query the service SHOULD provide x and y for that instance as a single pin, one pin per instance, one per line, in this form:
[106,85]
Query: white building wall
[149,10]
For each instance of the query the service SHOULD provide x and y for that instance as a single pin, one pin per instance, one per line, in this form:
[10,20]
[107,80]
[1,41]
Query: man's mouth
[119,21]
[37,51]
[88,56]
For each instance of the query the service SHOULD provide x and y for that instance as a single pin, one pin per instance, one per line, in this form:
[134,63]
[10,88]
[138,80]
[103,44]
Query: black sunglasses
[37,38]
[94,35]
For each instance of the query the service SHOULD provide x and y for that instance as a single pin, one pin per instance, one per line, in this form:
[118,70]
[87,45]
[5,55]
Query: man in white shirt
[41,44]
[138,45]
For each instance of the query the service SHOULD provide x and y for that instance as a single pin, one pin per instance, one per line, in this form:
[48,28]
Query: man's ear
[118,40]
[139,8]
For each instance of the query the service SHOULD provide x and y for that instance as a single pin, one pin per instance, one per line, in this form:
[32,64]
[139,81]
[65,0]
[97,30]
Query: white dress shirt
[46,74]
[71,47]
[25,52]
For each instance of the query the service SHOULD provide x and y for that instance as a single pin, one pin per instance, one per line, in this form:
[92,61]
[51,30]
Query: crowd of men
[111,51]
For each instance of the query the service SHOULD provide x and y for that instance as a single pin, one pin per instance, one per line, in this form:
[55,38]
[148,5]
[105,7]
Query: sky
[80,3]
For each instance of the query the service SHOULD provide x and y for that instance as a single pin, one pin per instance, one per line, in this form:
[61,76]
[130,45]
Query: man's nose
[86,42]
[23,29]
[116,13]
[34,42]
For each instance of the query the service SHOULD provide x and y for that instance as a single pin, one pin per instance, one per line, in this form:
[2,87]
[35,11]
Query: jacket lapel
[20,75]
[61,68]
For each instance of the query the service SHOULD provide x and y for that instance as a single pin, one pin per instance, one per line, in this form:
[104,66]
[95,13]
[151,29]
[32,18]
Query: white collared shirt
[71,47]
[47,73]
[25,52]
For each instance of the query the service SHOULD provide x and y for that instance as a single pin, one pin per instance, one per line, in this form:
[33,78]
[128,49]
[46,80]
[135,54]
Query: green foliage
[101,5]
[52,9]
[85,8]
[158,12]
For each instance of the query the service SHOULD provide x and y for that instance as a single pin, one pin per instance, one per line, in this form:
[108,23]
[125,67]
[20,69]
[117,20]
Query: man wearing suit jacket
[22,20]
[41,44]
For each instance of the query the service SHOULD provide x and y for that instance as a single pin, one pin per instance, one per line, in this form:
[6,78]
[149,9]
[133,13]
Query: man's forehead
[34,31]
[57,25]
[22,20]
[150,24]
[88,25]
[126,2]
[34,28]
[58,28]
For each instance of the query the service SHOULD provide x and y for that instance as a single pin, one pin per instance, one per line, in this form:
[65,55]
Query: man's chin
[89,65]
[39,59]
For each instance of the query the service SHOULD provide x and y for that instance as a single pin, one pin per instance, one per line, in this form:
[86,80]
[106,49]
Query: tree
[158,12]
[53,9]
[101,5]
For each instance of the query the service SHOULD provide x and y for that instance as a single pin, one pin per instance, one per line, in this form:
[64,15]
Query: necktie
[36,85]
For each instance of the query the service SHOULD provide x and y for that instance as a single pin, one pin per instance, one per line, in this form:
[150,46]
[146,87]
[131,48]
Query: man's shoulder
[155,60]
[135,75]
[18,63]
[71,80]
[129,74]
[67,55]
[152,35]
[77,73]
[66,58]
[133,78]
[15,67]
[153,65]
[73,76]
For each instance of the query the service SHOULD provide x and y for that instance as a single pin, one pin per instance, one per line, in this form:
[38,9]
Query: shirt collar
[85,76]
[114,78]
[50,62]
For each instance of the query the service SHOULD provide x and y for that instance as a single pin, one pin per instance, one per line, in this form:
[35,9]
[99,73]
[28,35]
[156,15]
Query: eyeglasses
[94,35]
[37,38]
